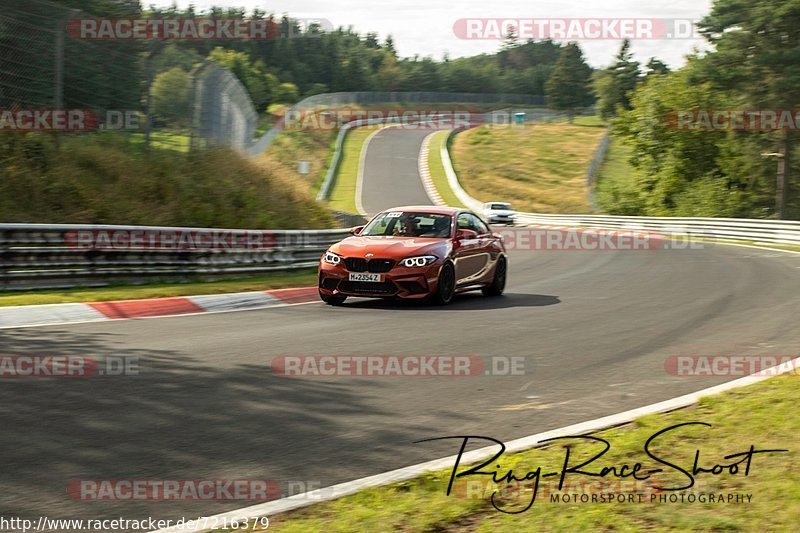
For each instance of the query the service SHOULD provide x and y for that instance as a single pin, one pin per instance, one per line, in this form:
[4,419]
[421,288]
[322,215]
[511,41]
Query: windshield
[409,224]
[499,207]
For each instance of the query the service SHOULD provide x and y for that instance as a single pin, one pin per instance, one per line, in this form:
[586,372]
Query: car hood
[387,247]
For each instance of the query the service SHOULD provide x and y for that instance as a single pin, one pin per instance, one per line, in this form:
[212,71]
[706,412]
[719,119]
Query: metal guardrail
[594,167]
[73,255]
[758,231]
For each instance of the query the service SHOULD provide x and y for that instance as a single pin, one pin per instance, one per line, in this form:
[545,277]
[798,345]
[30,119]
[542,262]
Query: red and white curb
[425,171]
[525,443]
[56,314]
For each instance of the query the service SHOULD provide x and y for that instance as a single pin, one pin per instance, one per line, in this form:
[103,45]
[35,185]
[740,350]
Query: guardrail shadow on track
[461,302]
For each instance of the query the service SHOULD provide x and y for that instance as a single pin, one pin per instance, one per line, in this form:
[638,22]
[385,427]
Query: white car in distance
[499,213]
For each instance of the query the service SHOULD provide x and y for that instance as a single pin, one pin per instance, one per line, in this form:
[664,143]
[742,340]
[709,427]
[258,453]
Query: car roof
[437,209]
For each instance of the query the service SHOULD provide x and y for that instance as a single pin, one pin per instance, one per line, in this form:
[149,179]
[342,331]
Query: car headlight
[331,258]
[418,261]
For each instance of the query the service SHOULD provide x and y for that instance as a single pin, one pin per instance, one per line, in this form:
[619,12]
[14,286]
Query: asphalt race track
[594,328]
[391,177]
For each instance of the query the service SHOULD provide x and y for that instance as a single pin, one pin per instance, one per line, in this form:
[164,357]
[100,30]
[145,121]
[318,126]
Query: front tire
[331,299]
[446,287]
[499,282]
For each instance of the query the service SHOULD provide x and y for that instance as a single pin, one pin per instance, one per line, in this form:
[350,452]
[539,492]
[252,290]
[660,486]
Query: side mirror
[355,230]
[463,234]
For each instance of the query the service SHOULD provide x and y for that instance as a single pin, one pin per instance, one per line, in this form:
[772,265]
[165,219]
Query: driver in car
[406,227]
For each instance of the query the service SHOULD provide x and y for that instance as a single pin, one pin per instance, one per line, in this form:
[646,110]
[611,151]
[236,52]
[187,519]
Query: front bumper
[400,282]
[500,219]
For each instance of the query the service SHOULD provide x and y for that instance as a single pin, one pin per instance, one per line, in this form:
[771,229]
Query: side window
[464,221]
[382,226]
[479,226]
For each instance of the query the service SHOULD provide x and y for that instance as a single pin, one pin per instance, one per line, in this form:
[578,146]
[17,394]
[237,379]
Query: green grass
[591,120]
[614,179]
[538,167]
[615,165]
[763,415]
[277,280]
[106,179]
[343,195]
[163,140]
[291,146]
[437,170]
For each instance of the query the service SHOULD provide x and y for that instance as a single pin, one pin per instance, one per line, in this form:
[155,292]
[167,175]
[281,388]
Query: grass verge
[763,415]
[290,147]
[343,195]
[163,140]
[615,180]
[538,167]
[438,175]
[277,280]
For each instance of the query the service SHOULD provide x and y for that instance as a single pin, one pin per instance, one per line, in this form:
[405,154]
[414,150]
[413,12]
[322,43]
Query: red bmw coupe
[415,252]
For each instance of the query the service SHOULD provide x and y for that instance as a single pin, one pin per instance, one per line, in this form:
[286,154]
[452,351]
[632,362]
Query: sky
[426,27]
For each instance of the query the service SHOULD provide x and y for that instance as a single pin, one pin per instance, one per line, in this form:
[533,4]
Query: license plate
[359,276]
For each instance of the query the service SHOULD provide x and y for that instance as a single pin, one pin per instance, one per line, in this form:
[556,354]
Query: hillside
[106,180]
[537,167]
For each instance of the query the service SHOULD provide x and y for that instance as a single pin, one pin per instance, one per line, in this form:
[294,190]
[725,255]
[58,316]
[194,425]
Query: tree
[356,75]
[613,88]
[388,45]
[171,97]
[757,48]
[568,87]
[287,93]
[683,165]
[316,88]
[655,66]
[605,89]
[371,41]
[510,39]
